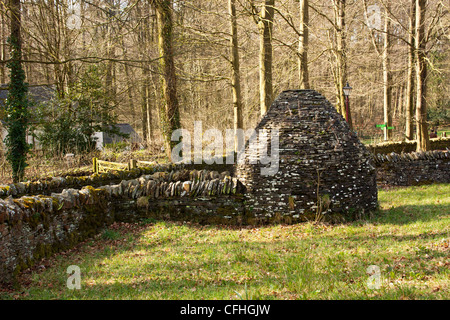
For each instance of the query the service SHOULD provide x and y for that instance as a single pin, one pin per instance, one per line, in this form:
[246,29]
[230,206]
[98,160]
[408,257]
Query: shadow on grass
[411,214]
[213,276]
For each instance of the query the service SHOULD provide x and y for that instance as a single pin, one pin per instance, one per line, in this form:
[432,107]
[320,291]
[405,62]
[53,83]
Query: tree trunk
[235,77]
[147,130]
[110,53]
[54,45]
[109,82]
[169,112]
[265,57]
[144,38]
[409,103]
[66,50]
[387,80]
[129,83]
[149,115]
[423,139]
[303,45]
[144,95]
[16,103]
[3,48]
[341,61]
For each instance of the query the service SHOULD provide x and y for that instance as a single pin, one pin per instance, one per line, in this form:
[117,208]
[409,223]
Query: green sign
[384,126]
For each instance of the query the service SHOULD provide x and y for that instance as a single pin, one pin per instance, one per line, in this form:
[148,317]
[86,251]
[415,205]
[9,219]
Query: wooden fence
[99,166]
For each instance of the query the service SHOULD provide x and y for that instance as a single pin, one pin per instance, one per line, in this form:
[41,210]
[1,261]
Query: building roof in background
[124,128]
[37,93]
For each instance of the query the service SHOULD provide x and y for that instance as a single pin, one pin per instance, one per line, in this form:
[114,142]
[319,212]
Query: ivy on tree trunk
[16,106]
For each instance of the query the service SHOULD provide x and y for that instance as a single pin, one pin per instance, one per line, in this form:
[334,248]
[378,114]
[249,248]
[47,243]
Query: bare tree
[409,102]
[264,19]
[340,52]
[3,33]
[423,139]
[303,44]
[387,78]
[169,112]
[235,76]
[144,39]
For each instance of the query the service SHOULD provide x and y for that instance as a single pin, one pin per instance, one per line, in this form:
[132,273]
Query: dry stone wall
[57,184]
[413,168]
[47,186]
[399,147]
[32,227]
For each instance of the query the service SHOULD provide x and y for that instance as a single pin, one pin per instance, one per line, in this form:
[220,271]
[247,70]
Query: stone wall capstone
[415,168]
[442,143]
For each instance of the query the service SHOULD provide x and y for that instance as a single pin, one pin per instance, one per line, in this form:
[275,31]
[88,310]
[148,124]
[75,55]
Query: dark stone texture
[314,140]
[409,169]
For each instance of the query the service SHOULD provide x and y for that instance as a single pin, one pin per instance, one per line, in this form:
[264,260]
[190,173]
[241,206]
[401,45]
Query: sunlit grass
[408,239]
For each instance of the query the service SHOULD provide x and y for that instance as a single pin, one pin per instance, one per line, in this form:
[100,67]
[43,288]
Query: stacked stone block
[324,169]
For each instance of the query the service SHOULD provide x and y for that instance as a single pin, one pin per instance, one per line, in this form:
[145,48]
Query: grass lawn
[442,130]
[407,239]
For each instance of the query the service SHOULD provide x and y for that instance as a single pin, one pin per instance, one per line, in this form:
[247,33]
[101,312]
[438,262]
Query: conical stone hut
[324,171]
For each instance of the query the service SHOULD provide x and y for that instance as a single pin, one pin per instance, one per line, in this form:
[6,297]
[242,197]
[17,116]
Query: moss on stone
[142,202]
[42,250]
[57,206]
[28,203]
[97,195]
[226,210]
[20,266]
[5,189]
